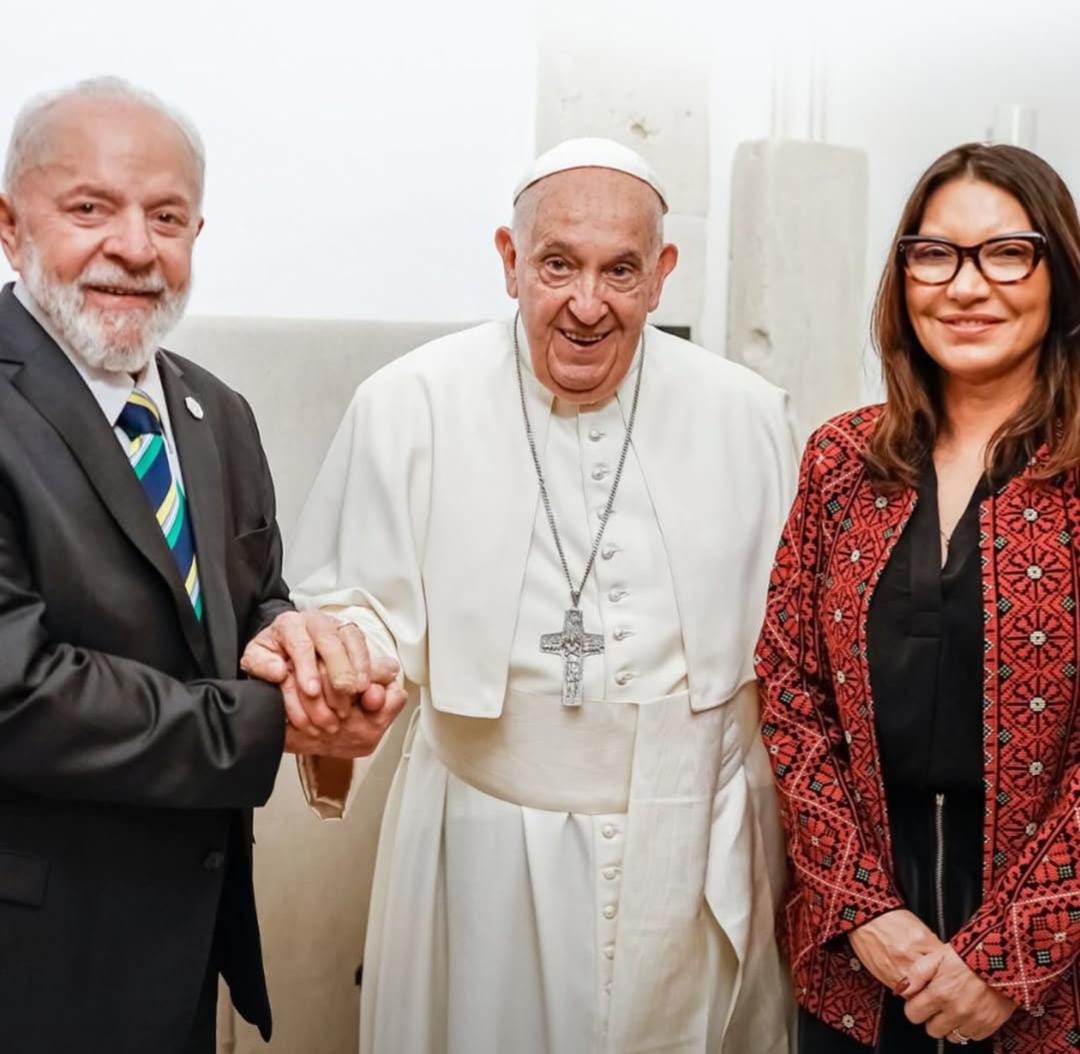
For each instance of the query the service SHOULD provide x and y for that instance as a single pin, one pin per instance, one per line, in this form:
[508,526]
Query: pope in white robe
[598,879]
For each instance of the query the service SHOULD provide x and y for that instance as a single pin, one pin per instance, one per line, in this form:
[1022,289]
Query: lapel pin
[194,408]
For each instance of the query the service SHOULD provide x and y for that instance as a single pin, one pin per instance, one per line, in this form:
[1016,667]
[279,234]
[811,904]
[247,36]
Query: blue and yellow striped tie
[141,423]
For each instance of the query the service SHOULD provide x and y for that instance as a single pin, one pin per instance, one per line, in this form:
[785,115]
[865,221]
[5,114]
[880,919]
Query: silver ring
[961,1039]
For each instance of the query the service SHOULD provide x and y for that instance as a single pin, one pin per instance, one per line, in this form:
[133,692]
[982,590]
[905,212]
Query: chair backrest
[312,878]
[299,376]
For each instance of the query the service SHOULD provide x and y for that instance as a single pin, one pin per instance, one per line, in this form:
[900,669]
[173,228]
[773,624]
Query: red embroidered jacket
[818,725]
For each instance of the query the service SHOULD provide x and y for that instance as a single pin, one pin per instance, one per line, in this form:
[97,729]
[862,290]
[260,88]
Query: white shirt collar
[109,387]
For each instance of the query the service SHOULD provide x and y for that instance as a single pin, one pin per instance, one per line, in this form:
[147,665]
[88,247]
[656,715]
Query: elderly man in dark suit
[139,554]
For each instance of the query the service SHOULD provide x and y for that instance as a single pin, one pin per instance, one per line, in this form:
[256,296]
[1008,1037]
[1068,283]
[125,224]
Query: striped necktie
[141,423]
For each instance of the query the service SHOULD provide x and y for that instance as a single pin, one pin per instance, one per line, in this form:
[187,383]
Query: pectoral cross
[573,644]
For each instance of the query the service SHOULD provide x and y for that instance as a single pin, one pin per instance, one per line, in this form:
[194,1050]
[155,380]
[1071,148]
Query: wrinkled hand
[365,723]
[946,995]
[890,945]
[288,653]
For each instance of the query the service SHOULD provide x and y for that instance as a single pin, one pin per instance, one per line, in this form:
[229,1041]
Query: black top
[925,636]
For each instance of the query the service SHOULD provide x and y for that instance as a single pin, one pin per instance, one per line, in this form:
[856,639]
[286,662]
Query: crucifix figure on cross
[573,644]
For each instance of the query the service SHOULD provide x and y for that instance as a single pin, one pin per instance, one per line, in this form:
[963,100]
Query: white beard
[120,341]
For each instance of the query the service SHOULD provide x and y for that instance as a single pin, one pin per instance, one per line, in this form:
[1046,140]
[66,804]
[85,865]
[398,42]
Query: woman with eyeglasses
[920,652]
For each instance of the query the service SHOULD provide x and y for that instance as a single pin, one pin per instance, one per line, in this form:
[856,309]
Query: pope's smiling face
[586,262]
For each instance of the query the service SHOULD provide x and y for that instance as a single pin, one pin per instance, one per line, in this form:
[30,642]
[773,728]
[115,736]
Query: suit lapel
[48,380]
[200,463]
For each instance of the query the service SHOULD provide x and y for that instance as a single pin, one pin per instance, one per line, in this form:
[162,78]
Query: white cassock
[552,880]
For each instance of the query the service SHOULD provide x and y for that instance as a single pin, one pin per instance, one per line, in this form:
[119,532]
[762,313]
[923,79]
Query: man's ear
[9,237]
[665,264]
[504,243]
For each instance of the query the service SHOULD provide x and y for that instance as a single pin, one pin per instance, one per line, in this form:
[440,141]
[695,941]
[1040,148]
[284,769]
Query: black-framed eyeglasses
[1003,259]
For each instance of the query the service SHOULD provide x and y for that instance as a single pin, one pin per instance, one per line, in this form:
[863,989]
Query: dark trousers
[203,1037]
[911,817]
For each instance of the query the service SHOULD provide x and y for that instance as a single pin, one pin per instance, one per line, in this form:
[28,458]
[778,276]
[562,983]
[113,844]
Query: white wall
[360,154]
[612,68]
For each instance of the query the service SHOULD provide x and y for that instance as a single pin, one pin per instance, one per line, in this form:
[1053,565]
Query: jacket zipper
[939,875]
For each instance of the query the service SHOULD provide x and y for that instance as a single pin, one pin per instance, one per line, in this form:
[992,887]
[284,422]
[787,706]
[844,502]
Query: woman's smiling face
[975,329]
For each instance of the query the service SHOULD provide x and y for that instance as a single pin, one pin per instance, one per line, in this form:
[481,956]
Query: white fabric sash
[543,755]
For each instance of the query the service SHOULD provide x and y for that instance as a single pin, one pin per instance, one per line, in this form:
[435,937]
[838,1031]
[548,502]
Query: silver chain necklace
[573,643]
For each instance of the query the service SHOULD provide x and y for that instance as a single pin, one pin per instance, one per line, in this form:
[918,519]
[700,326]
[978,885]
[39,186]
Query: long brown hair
[904,437]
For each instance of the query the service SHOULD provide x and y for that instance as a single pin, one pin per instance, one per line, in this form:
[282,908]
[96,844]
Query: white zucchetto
[591,152]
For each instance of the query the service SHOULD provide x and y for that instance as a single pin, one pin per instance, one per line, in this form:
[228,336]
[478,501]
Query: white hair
[26,135]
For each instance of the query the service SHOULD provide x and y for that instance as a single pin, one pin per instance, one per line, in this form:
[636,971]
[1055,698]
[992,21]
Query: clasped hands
[940,990]
[339,700]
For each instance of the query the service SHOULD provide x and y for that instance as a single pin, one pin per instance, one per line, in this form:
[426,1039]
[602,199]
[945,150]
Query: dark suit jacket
[131,753]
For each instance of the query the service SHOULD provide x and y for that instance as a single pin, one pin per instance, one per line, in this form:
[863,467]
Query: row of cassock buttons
[600,472]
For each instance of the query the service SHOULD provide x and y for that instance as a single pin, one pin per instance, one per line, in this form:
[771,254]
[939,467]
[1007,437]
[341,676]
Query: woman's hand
[890,945]
[946,995]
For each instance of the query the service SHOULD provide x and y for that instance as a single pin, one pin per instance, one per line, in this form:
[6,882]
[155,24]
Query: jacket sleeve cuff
[257,724]
[994,957]
[866,894]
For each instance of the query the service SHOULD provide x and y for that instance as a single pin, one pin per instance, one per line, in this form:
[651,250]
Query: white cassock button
[608,830]
[607,988]
[609,551]
[595,435]
[611,873]
[609,911]
[609,951]
[624,677]
[616,594]
[622,632]
[599,472]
